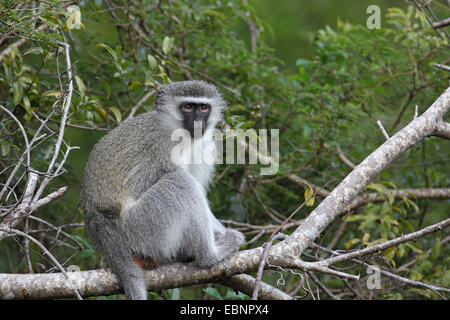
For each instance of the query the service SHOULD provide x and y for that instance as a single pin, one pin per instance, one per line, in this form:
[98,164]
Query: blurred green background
[294,22]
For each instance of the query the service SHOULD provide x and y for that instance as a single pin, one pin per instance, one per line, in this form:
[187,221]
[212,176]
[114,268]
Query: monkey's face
[193,105]
[195,117]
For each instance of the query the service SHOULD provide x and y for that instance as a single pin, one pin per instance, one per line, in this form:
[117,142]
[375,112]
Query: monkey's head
[190,105]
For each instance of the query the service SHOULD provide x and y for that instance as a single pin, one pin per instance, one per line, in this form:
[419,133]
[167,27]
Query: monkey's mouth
[197,132]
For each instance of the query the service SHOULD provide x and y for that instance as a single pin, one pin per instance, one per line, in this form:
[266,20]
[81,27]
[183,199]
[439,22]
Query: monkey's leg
[172,221]
[109,240]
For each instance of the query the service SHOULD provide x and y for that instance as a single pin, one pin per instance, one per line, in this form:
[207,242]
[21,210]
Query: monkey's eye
[186,108]
[204,108]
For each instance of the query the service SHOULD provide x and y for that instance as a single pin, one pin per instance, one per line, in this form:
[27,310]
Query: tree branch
[19,43]
[388,244]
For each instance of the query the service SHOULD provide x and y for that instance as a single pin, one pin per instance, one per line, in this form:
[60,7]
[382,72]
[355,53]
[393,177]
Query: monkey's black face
[194,116]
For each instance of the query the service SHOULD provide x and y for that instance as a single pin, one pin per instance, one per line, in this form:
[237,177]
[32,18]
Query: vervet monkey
[141,208]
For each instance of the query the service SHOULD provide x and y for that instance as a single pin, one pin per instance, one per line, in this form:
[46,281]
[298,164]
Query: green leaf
[365,239]
[80,85]
[109,49]
[34,50]
[354,217]
[17,96]
[351,243]
[390,254]
[26,78]
[244,125]
[51,93]
[436,252]
[100,110]
[116,113]
[5,147]
[408,225]
[174,294]
[26,104]
[213,292]
[152,62]
[118,50]
[231,294]
[308,197]
[163,74]
[134,85]
[167,45]
[84,242]
[85,253]
[214,14]
[378,187]
[375,242]
[106,86]
[415,247]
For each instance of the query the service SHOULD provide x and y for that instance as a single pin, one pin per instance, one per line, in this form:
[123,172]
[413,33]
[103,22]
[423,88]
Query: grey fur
[136,201]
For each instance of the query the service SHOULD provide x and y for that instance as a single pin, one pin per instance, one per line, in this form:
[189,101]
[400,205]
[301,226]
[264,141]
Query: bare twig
[246,284]
[65,110]
[19,43]
[388,274]
[385,134]
[26,207]
[43,248]
[388,244]
[266,248]
[141,102]
[322,286]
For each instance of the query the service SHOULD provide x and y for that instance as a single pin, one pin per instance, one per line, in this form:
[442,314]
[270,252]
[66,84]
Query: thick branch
[103,282]
[365,172]
[441,24]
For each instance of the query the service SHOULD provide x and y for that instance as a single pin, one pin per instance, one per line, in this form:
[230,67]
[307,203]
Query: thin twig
[46,252]
[442,66]
[266,248]
[385,134]
[65,110]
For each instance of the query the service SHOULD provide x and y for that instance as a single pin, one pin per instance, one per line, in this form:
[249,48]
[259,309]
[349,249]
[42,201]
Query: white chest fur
[197,157]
